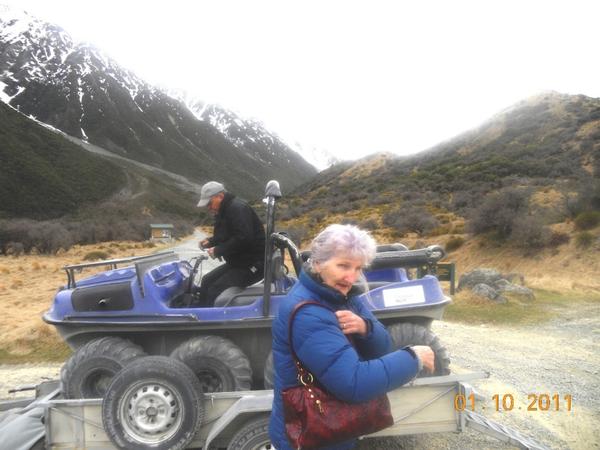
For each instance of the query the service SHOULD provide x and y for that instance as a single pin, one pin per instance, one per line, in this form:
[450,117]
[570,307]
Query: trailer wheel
[253,436]
[155,402]
[269,373]
[405,334]
[89,370]
[218,363]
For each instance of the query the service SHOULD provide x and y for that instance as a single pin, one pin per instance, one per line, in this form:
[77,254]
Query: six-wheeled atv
[145,308]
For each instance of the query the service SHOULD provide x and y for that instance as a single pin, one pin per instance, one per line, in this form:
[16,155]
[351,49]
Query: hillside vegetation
[43,175]
[54,194]
[79,90]
[518,180]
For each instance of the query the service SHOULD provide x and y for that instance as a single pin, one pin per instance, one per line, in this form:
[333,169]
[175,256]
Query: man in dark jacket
[238,237]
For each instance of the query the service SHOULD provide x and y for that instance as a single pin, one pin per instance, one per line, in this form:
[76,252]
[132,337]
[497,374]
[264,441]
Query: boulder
[514,290]
[477,276]
[486,291]
[501,283]
[515,278]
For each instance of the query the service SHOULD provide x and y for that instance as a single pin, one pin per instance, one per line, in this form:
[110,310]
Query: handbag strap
[301,369]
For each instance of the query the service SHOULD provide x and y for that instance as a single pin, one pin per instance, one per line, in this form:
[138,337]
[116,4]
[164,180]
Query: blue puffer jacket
[351,374]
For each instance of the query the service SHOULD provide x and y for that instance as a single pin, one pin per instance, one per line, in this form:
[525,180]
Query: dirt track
[560,357]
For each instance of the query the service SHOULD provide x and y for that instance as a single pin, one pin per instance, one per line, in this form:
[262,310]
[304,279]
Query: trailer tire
[269,373]
[254,435]
[89,370]
[155,402]
[218,363]
[406,334]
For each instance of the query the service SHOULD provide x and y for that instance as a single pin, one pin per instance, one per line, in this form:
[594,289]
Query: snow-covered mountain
[79,90]
[244,131]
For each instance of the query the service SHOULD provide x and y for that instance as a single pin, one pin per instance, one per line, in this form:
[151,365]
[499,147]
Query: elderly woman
[351,373]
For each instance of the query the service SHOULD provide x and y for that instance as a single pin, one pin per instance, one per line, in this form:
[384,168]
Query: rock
[477,276]
[501,283]
[514,290]
[486,291]
[515,278]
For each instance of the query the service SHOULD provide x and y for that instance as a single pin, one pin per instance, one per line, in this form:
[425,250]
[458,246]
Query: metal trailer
[425,405]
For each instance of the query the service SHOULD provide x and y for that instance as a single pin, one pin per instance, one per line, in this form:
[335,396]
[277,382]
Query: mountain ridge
[84,93]
[544,146]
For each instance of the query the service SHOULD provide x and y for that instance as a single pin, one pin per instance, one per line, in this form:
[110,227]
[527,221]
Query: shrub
[298,233]
[94,255]
[587,220]
[454,243]
[498,212]
[529,233]
[349,221]
[318,217]
[584,240]
[15,248]
[439,230]
[458,228]
[558,238]
[369,224]
[414,220]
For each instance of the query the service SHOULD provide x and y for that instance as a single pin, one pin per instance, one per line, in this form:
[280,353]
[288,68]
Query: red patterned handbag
[315,418]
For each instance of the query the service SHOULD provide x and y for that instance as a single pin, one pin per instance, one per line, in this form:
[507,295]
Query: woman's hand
[426,356]
[351,323]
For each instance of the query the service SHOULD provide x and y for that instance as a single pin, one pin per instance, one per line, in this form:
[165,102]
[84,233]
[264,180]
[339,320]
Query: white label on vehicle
[403,296]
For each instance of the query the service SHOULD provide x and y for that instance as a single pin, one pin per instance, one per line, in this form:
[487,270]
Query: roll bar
[112,263]
[272,192]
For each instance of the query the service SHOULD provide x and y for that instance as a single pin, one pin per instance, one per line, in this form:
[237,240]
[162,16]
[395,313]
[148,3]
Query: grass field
[27,286]
[559,277]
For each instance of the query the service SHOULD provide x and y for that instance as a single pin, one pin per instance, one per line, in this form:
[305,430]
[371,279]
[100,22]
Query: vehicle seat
[241,296]
[146,264]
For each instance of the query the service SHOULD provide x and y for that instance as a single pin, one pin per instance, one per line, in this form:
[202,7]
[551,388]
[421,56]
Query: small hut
[161,232]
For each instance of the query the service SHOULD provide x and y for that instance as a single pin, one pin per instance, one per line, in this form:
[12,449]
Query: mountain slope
[77,89]
[43,175]
[547,146]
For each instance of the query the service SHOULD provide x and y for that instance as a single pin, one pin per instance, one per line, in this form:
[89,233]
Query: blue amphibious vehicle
[143,305]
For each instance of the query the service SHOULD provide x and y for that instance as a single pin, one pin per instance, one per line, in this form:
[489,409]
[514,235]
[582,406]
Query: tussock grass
[27,288]
[469,308]
[41,344]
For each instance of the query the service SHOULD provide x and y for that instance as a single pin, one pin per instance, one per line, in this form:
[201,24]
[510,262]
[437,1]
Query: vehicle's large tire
[406,334]
[252,436]
[269,373]
[218,363]
[155,402]
[89,370]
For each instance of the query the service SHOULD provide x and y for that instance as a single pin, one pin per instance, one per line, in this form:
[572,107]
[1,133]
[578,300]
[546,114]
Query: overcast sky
[352,77]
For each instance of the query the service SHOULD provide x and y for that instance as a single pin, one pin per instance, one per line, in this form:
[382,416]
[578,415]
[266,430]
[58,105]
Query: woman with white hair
[352,373]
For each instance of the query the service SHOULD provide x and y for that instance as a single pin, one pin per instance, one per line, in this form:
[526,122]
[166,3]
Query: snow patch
[3,96]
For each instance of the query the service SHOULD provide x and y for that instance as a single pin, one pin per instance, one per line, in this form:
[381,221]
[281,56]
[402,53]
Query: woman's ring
[343,326]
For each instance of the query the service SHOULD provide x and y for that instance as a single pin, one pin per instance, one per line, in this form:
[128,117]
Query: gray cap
[208,190]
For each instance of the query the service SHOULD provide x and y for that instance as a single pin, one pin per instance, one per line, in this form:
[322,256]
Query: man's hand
[351,323]
[202,244]
[211,252]
[426,356]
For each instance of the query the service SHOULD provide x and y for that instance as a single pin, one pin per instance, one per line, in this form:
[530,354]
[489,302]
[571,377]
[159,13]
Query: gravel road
[559,357]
